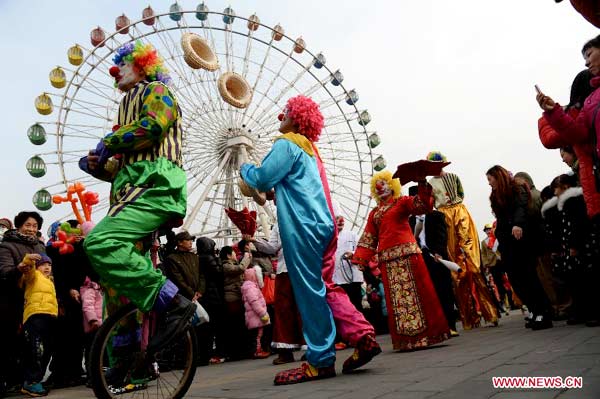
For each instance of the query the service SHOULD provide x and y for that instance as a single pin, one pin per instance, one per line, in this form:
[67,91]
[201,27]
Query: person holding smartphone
[559,127]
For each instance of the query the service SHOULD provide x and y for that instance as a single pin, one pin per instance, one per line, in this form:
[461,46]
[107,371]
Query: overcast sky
[456,76]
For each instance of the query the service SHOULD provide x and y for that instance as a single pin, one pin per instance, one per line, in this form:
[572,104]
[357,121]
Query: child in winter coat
[574,259]
[256,307]
[91,303]
[39,318]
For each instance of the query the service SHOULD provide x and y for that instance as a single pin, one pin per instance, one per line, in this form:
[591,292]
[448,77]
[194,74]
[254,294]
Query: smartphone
[537,89]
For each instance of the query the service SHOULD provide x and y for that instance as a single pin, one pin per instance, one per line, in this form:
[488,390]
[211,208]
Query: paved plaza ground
[461,368]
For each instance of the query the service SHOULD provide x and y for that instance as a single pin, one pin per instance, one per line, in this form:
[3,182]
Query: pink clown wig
[306,116]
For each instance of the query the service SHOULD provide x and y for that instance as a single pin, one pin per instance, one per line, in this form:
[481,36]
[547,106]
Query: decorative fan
[415,171]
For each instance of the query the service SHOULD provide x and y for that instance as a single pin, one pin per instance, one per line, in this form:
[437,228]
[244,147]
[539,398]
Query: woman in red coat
[415,316]
[584,129]
[550,138]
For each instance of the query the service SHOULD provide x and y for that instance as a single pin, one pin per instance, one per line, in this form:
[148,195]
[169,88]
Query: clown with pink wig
[294,169]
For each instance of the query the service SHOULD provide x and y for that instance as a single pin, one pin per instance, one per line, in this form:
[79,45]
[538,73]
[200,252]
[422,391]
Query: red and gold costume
[415,316]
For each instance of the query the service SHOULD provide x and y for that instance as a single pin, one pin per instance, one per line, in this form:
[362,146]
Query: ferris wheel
[219,133]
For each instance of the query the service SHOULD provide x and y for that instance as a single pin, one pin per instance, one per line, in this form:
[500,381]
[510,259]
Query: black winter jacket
[213,272]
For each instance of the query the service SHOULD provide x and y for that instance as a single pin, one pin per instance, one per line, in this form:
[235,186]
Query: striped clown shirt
[148,126]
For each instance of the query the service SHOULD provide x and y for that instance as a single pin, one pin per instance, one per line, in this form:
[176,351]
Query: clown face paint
[128,76]
[287,124]
[340,222]
[383,189]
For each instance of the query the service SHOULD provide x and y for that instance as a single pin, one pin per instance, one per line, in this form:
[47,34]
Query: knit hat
[44,259]
[6,223]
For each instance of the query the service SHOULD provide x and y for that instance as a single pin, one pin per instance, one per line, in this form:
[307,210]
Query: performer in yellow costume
[472,295]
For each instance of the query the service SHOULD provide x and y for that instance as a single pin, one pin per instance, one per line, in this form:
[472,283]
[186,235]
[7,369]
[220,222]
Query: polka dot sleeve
[158,113]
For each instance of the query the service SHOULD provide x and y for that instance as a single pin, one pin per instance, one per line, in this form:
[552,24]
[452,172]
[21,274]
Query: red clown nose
[114,71]
[280,117]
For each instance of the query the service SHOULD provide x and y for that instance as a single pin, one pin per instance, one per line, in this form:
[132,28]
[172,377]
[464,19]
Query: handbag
[201,315]
[268,290]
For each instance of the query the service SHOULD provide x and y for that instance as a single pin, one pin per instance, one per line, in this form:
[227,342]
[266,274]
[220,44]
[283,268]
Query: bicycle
[121,367]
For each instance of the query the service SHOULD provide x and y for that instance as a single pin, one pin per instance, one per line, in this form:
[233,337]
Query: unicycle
[120,367]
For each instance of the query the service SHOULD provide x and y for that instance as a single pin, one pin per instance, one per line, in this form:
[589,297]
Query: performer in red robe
[415,316]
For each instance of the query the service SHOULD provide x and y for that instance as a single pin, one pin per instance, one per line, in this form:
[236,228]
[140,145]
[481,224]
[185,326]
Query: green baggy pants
[144,196]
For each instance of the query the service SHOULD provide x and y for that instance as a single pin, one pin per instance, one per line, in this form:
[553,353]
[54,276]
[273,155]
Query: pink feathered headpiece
[306,115]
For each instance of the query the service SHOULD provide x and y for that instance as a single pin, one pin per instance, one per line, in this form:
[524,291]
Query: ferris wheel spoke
[184,72]
[347,173]
[343,118]
[344,153]
[354,197]
[275,78]
[208,132]
[98,92]
[87,179]
[209,185]
[93,61]
[214,90]
[209,212]
[203,135]
[212,94]
[202,102]
[247,53]
[318,85]
[202,169]
[228,48]
[261,69]
[97,84]
[84,135]
[172,61]
[90,104]
[345,196]
[329,102]
[187,80]
[343,133]
[349,178]
[204,119]
[342,141]
[230,64]
[93,115]
[268,112]
[353,172]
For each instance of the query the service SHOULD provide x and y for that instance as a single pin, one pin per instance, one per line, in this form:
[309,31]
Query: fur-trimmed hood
[551,203]
[571,192]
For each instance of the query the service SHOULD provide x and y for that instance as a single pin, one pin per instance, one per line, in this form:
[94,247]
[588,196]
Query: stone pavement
[461,368]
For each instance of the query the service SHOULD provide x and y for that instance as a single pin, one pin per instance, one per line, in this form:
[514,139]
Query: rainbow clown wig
[306,115]
[146,58]
[436,156]
[385,175]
